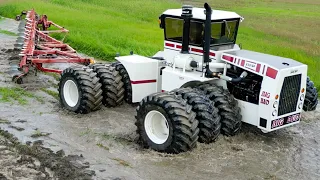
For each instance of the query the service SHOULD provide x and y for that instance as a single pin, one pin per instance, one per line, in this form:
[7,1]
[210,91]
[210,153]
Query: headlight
[300,105]
[302,97]
[274,113]
[275,104]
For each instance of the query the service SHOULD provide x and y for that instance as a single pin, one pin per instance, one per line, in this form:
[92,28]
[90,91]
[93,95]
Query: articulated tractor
[200,86]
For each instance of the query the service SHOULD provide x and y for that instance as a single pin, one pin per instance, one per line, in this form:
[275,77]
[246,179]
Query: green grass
[16,94]
[51,93]
[101,28]
[7,32]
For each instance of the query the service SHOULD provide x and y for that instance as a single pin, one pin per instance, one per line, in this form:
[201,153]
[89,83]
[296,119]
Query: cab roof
[198,13]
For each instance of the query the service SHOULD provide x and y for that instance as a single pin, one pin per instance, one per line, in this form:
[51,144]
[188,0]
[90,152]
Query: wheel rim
[70,93]
[157,127]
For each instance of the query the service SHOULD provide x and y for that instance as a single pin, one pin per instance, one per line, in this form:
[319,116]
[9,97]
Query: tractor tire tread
[88,85]
[185,126]
[228,108]
[206,113]
[112,86]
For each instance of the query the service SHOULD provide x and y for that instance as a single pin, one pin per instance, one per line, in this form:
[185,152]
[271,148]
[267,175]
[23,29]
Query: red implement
[39,48]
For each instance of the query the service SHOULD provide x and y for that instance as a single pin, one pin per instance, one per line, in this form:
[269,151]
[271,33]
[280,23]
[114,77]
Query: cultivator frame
[38,48]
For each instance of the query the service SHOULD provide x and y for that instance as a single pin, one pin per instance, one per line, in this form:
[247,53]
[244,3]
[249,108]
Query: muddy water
[107,140]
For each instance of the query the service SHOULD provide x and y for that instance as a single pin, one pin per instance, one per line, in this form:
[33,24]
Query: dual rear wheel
[175,121]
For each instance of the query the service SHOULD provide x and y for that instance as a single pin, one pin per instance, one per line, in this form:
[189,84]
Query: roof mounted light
[187,10]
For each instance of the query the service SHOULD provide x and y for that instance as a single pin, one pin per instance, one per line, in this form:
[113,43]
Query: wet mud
[107,141]
[32,161]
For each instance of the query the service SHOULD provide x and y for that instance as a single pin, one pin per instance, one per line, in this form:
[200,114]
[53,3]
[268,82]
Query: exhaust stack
[187,15]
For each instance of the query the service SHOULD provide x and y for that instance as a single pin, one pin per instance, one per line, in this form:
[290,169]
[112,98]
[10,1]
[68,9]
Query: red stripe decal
[178,46]
[197,50]
[144,81]
[227,58]
[212,54]
[271,72]
[263,69]
[258,67]
[242,63]
[170,45]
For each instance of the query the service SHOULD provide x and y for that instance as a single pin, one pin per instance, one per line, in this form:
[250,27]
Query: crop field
[101,28]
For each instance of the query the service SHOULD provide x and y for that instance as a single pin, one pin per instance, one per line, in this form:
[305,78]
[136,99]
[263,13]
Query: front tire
[166,123]
[311,99]
[228,108]
[206,113]
[80,90]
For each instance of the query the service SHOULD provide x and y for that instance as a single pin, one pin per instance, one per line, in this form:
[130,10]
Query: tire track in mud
[34,160]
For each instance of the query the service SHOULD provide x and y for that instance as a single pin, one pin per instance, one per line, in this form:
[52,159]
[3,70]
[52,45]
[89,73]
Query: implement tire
[206,113]
[311,98]
[80,90]
[126,80]
[166,123]
[112,85]
[228,108]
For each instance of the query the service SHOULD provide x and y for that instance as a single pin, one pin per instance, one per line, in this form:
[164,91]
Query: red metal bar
[60,60]
[39,67]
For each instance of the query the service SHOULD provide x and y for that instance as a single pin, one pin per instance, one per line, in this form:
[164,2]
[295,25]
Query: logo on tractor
[264,101]
[265,94]
[277,123]
[250,65]
[294,71]
[286,120]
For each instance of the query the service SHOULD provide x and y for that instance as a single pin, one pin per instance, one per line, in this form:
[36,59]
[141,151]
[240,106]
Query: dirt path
[107,139]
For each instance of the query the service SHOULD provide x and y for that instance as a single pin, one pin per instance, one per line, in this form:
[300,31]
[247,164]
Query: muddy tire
[126,80]
[311,98]
[112,85]
[206,113]
[80,90]
[166,123]
[228,108]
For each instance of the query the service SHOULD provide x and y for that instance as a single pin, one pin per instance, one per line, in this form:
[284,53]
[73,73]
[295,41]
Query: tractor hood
[262,64]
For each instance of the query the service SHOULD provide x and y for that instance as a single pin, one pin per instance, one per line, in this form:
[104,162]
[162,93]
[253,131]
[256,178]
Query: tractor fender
[143,73]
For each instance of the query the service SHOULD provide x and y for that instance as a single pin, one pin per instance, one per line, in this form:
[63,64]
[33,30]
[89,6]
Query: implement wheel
[80,90]
[166,123]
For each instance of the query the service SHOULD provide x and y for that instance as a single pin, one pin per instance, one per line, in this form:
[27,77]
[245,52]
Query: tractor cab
[184,31]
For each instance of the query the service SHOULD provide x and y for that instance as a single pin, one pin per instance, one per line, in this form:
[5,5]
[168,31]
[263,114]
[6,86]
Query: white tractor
[201,85]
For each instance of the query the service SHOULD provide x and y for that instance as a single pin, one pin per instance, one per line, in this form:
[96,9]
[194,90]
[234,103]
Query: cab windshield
[223,32]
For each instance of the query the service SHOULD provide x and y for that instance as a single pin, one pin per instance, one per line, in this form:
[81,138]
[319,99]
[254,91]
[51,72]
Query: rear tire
[206,113]
[112,85]
[126,80]
[311,98]
[80,90]
[182,127]
[228,108]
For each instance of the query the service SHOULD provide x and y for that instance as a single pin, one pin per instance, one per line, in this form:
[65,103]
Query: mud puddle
[107,140]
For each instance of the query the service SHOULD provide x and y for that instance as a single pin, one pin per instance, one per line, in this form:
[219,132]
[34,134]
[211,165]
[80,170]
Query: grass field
[101,28]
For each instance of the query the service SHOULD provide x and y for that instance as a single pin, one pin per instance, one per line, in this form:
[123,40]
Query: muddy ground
[103,143]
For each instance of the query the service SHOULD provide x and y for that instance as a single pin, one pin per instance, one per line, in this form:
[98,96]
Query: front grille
[289,94]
